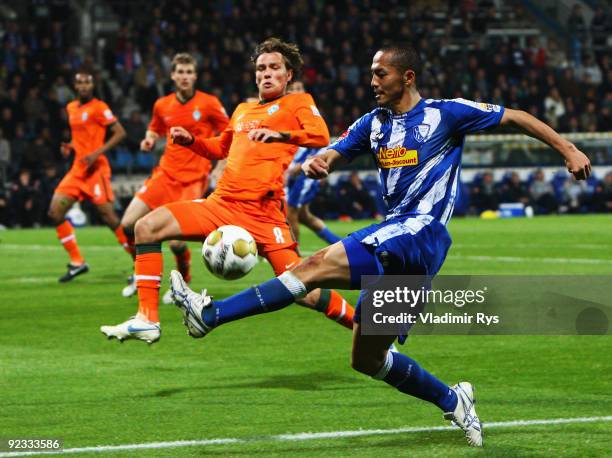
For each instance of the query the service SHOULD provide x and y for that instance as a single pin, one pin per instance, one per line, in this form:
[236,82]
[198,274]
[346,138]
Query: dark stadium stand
[499,52]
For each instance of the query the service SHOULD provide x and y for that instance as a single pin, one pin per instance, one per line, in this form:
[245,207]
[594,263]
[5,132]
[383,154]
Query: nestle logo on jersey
[399,156]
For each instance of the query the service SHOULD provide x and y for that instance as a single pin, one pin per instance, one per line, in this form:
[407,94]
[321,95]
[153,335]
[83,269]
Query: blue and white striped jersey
[302,154]
[418,153]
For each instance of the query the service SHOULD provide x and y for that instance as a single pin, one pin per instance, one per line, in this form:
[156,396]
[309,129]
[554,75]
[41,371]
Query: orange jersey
[203,115]
[255,170]
[88,123]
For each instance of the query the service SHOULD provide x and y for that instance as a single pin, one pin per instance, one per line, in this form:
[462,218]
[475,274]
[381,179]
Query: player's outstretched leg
[202,314]
[60,204]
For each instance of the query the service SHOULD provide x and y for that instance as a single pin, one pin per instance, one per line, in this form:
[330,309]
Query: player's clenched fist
[181,136]
[315,167]
[578,164]
[147,144]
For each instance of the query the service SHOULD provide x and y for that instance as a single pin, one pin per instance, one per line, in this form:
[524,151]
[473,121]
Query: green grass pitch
[288,372]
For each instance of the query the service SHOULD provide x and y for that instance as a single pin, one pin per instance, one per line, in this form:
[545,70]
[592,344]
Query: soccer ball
[229,252]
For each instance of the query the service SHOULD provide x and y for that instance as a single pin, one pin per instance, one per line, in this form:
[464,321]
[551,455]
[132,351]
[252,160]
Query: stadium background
[551,58]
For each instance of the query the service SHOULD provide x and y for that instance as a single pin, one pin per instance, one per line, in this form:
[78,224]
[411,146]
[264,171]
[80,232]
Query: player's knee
[309,270]
[177,246]
[366,364]
[55,215]
[146,230]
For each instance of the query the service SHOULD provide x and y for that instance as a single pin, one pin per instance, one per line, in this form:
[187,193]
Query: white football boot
[191,304]
[134,328]
[464,415]
[130,289]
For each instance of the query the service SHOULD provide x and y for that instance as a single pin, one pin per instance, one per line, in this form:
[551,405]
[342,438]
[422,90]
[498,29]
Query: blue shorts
[302,190]
[410,245]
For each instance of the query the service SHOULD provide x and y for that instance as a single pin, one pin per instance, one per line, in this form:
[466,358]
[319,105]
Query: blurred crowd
[563,80]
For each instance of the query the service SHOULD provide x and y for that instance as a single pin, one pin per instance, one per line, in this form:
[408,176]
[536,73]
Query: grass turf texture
[288,372]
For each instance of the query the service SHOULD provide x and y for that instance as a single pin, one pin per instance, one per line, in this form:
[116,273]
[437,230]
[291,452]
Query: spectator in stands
[542,194]
[589,72]
[601,29]
[36,153]
[24,201]
[572,195]
[554,108]
[63,91]
[484,195]
[354,200]
[5,158]
[135,129]
[602,197]
[577,30]
[325,204]
[513,190]
[588,118]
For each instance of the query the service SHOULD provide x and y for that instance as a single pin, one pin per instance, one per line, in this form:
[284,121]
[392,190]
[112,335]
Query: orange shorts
[160,188]
[265,219]
[95,187]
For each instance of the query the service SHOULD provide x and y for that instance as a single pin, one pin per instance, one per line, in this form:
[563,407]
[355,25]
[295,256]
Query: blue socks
[270,296]
[328,236]
[407,376]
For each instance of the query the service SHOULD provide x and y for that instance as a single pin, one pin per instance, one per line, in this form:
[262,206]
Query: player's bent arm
[577,162]
[319,165]
[210,148]
[118,134]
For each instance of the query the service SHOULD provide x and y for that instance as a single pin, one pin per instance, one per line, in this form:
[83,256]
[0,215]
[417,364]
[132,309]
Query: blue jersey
[418,153]
[302,154]
[301,190]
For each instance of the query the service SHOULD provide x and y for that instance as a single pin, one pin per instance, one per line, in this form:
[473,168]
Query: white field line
[9,246]
[299,437]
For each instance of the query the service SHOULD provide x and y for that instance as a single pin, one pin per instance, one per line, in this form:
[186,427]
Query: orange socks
[124,241]
[65,234]
[148,270]
[182,255]
[336,308]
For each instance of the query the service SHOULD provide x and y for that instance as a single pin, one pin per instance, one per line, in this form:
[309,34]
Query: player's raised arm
[210,148]
[319,165]
[577,162]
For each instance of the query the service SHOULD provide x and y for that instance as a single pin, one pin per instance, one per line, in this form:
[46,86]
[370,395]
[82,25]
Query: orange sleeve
[213,147]
[104,115]
[314,132]
[217,115]
[157,124]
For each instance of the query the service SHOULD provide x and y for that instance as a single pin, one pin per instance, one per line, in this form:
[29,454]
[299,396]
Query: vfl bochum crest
[273,109]
[84,116]
[196,114]
[420,132]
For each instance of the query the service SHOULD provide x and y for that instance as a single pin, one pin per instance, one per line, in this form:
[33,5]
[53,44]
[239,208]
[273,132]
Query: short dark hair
[183,58]
[405,57]
[290,52]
